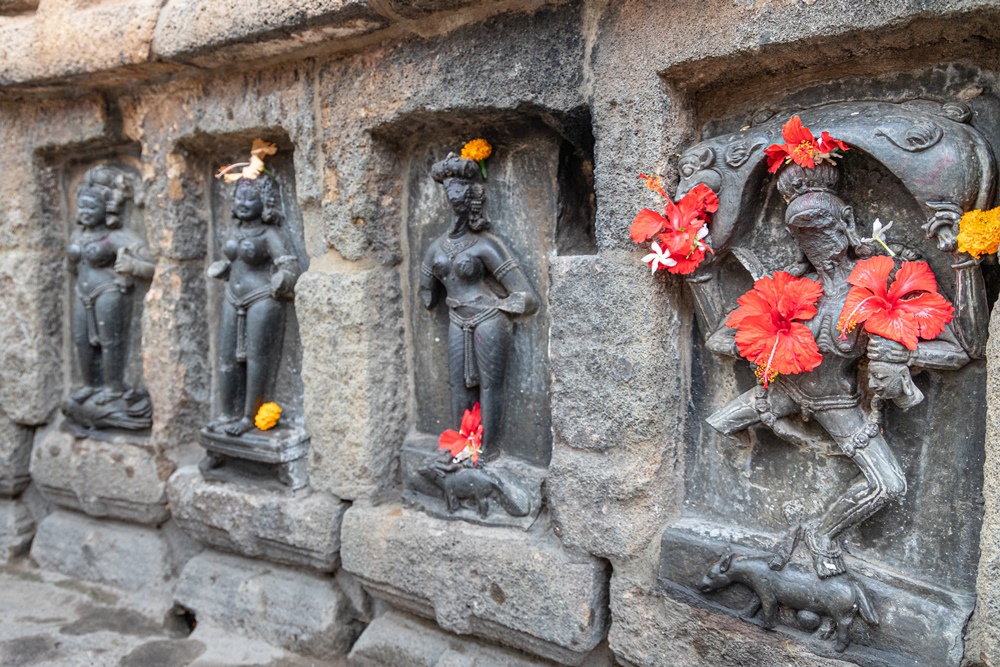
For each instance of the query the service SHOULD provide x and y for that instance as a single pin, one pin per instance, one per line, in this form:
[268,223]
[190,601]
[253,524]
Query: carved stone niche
[780,525]
[97,457]
[478,318]
[255,331]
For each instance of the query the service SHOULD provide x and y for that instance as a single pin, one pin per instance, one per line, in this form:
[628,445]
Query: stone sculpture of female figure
[484,287]
[822,225]
[260,273]
[106,258]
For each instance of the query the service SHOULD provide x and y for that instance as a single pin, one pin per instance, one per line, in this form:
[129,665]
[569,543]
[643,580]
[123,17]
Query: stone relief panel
[257,252]
[478,320]
[839,500]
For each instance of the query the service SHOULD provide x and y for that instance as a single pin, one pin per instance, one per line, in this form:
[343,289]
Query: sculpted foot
[238,428]
[828,558]
[106,395]
[220,421]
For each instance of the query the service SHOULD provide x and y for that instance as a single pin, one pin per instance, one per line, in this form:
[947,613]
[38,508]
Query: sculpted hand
[887,350]
[515,303]
[124,263]
[943,225]
[219,269]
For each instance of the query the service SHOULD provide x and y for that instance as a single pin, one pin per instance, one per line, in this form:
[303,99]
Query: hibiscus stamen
[846,327]
[765,373]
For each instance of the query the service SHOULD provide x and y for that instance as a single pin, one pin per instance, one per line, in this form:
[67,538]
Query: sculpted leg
[264,330]
[232,375]
[88,355]
[113,310]
[493,342]
[462,397]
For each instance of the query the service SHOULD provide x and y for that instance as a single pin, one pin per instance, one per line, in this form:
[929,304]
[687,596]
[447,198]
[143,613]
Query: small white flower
[878,235]
[658,258]
[702,233]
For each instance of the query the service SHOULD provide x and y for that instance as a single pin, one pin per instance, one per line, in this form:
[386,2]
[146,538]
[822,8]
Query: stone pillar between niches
[17,522]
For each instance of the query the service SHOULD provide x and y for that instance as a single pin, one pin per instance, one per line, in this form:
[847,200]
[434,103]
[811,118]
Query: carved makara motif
[106,258]
[946,167]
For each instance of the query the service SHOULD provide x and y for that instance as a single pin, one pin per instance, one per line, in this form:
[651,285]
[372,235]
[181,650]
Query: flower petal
[776,154]
[646,225]
[873,274]
[930,311]
[796,351]
[912,277]
[894,324]
[794,132]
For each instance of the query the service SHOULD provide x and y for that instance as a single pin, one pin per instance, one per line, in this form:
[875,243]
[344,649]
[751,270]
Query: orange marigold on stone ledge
[268,416]
[979,232]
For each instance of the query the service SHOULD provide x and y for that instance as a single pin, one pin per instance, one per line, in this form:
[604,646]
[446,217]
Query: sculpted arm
[429,289]
[521,297]
[133,258]
[286,266]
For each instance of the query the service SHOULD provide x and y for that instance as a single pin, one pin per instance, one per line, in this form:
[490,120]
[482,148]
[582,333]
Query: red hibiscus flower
[801,147]
[680,231]
[912,308]
[466,443]
[769,329]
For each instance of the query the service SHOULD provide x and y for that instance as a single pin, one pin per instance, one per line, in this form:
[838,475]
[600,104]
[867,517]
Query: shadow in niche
[539,199]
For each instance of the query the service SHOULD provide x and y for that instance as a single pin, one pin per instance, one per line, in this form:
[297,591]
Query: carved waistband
[89,299]
[241,304]
[468,326]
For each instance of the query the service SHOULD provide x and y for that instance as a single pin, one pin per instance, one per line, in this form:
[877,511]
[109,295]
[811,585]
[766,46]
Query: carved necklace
[242,233]
[452,246]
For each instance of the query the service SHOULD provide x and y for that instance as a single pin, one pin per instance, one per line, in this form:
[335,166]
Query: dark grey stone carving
[480,282]
[259,269]
[107,258]
[869,421]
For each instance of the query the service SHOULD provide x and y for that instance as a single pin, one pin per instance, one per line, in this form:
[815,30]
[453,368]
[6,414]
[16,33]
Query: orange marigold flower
[267,416]
[477,149]
[912,308]
[769,329]
[465,443]
[801,147]
[979,232]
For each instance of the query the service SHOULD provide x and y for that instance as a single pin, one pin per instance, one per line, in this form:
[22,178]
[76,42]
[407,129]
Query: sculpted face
[247,204]
[90,210]
[820,227]
[893,382]
[459,193]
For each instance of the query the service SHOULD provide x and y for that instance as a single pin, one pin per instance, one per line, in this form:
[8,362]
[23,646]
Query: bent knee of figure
[890,487]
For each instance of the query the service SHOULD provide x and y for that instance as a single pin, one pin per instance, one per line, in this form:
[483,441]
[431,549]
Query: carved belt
[89,300]
[242,304]
[468,326]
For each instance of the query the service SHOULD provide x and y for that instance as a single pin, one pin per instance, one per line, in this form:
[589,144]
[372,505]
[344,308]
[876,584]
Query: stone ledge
[17,528]
[15,457]
[299,529]
[519,589]
[297,611]
[119,479]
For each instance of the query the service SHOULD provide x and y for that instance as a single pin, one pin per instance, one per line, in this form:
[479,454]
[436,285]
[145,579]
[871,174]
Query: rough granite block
[17,527]
[297,529]
[352,363]
[299,611]
[503,585]
[15,455]
[138,560]
[119,479]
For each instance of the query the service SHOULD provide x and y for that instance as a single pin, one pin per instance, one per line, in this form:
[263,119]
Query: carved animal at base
[838,598]
[460,482]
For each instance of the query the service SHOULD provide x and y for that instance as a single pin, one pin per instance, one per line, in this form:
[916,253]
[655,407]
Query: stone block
[17,528]
[353,369]
[138,560]
[516,588]
[66,39]
[298,611]
[30,335]
[395,639]
[15,456]
[121,479]
[257,29]
[615,354]
[298,529]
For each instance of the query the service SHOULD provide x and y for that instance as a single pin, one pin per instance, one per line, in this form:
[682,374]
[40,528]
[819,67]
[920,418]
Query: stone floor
[49,620]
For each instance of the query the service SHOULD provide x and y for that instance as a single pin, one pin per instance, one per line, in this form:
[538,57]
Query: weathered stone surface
[30,335]
[983,635]
[616,413]
[17,527]
[15,456]
[651,630]
[211,34]
[100,36]
[395,639]
[298,611]
[353,369]
[118,479]
[481,581]
[298,529]
[138,560]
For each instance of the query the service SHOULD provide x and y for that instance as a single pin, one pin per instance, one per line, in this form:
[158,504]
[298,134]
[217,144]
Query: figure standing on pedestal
[106,258]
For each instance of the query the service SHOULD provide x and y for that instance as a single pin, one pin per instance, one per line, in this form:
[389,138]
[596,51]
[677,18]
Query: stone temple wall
[361,97]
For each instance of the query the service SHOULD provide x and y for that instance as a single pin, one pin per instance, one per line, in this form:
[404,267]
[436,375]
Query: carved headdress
[109,185]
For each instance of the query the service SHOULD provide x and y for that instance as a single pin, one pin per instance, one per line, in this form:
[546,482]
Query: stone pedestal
[15,454]
[300,528]
[140,561]
[504,585]
[284,448]
[119,478]
[298,611]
